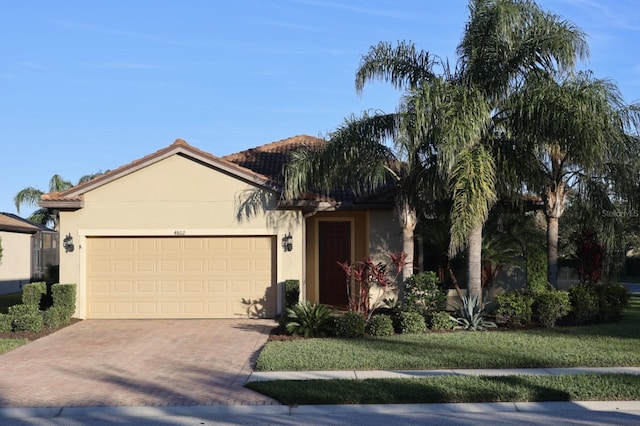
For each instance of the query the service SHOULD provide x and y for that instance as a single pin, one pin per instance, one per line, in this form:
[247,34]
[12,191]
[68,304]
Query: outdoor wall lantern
[67,243]
[287,244]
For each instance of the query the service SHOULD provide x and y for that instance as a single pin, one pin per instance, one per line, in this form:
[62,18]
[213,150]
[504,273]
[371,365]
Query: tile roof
[263,165]
[269,160]
[14,223]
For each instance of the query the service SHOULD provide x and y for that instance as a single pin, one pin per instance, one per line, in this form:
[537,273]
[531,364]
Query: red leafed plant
[590,254]
[366,275]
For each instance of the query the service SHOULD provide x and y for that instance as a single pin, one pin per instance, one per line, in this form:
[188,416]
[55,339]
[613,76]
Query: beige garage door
[180,277]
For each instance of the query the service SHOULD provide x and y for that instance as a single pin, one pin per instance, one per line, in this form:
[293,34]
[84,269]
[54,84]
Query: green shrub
[551,305]
[439,321]
[584,304]
[351,325]
[536,267]
[612,301]
[33,293]
[423,293]
[64,297]
[291,293]
[514,308]
[291,298]
[25,318]
[55,317]
[5,323]
[471,315]
[310,320]
[380,326]
[412,323]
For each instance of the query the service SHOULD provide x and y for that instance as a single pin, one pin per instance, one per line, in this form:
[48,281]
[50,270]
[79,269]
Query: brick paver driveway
[136,363]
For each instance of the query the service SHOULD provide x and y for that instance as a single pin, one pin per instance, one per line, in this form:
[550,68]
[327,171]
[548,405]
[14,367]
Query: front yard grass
[452,389]
[603,345]
[614,344]
[8,344]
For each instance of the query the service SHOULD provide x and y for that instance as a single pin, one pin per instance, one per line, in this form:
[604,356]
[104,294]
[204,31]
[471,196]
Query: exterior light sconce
[67,243]
[287,244]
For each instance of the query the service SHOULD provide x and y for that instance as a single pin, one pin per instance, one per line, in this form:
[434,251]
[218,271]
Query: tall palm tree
[30,196]
[456,113]
[582,138]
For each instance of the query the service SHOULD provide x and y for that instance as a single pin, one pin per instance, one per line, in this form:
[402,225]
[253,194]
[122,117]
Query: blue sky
[91,85]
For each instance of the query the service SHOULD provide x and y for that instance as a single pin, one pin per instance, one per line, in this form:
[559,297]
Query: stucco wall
[15,266]
[178,196]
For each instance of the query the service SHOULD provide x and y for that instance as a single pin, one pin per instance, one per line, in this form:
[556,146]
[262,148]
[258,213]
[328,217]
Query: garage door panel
[179,277]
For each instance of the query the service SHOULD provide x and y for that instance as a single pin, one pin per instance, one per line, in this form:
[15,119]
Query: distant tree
[30,196]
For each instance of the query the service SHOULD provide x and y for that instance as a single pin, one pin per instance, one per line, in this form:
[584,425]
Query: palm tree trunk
[408,220]
[554,208]
[552,251]
[474,263]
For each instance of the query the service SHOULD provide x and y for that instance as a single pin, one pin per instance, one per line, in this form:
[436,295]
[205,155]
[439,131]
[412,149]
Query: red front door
[334,246]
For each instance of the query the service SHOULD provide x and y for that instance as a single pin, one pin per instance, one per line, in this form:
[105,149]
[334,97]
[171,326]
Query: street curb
[283,410]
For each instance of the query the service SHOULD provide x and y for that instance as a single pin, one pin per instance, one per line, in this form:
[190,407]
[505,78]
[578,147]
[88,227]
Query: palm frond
[57,184]
[355,158]
[473,194]
[401,65]
[28,196]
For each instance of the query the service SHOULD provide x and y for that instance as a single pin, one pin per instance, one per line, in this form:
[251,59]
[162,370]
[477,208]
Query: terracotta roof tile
[269,160]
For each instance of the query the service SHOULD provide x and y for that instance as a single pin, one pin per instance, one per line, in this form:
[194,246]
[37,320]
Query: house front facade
[182,233]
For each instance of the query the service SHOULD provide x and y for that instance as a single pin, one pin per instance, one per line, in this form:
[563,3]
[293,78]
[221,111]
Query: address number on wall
[179,232]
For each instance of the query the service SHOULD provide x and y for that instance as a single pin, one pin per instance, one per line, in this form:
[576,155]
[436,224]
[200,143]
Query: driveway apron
[136,363]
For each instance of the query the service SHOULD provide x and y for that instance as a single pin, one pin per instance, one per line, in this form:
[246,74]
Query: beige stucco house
[182,233]
[28,249]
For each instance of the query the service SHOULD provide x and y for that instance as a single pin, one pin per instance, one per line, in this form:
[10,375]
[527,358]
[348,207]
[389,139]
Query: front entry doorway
[334,242]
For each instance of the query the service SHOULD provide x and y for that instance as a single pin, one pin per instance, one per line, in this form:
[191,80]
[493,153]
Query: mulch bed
[30,335]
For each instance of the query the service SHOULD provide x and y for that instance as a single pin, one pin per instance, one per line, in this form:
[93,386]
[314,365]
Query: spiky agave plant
[471,315]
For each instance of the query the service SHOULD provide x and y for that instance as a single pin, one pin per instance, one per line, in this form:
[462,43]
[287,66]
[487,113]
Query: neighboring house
[182,233]
[28,250]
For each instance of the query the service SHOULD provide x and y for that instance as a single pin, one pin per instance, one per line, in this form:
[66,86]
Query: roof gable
[73,198]
[12,223]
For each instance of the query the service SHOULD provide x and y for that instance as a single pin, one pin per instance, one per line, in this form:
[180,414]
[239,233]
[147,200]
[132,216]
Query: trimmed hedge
[25,318]
[64,304]
[351,325]
[33,293]
[380,326]
[5,323]
[515,308]
[440,321]
[584,304]
[412,323]
[551,305]
[291,293]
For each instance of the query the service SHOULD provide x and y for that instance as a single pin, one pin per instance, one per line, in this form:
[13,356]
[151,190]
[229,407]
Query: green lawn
[581,387]
[8,344]
[604,345]
[613,344]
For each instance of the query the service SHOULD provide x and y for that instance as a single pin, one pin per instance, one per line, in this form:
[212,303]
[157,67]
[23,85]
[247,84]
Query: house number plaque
[179,232]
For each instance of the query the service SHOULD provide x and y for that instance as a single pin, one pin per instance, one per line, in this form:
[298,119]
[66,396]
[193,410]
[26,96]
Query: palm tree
[456,113]
[582,138]
[356,158]
[30,196]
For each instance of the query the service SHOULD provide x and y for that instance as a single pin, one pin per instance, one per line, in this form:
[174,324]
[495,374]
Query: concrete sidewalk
[258,376]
